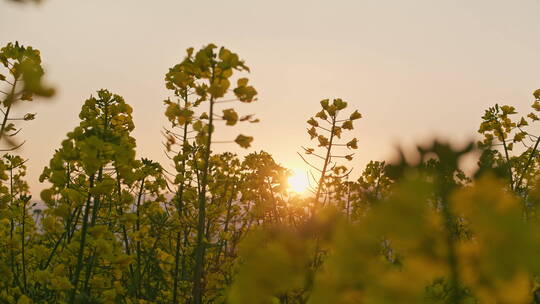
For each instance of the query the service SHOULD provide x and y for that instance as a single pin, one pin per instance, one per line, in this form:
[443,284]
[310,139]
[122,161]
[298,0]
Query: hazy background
[415,69]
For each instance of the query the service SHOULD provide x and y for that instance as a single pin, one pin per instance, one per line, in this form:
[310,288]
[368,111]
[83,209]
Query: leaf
[519,136]
[537,94]
[32,75]
[29,116]
[353,144]
[323,141]
[533,116]
[313,122]
[347,125]
[219,87]
[322,115]
[522,122]
[197,126]
[332,110]
[242,82]
[230,116]
[355,115]
[324,104]
[340,104]
[337,132]
[244,141]
[536,105]
[508,110]
[244,92]
[312,132]
[9,127]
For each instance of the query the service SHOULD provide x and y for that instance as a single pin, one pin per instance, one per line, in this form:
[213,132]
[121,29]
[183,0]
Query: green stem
[23,244]
[325,166]
[200,245]
[529,161]
[10,103]
[84,230]
[138,245]
[180,205]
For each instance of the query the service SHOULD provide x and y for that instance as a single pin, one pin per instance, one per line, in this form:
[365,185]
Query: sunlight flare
[298,181]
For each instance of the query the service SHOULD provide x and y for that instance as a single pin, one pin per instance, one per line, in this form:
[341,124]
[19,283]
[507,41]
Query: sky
[416,69]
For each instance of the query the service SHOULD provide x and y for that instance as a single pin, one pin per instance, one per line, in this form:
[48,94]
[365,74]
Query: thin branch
[311,153]
[16,132]
[323,128]
[527,165]
[308,162]
[340,156]
[14,148]
[226,100]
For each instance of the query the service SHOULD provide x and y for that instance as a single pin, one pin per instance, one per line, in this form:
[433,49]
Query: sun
[298,182]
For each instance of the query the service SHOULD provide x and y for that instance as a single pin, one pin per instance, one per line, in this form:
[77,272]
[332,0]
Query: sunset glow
[285,152]
[298,182]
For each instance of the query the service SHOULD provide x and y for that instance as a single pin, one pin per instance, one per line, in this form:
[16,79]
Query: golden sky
[414,68]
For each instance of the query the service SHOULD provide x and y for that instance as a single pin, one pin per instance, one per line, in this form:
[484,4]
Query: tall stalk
[200,245]
[180,199]
[82,243]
